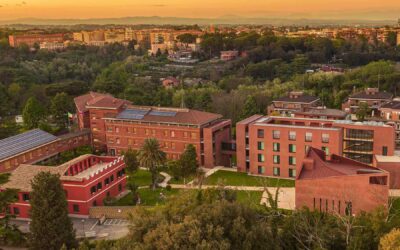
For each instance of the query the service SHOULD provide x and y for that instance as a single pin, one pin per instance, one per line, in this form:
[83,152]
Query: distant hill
[226,20]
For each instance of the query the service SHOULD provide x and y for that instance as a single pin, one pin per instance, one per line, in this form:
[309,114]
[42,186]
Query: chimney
[308,163]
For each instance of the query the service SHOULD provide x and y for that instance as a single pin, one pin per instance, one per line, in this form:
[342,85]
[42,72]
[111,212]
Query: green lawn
[4,178]
[143,178]
[230,178]
[148,197]
[249,197]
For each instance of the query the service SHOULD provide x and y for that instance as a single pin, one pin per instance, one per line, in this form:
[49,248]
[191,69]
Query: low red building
[117,126]
[87,181]
[340,185]
[229,55]
[170,82]
[31,39]
[296,101]
[36,145]
[390,164]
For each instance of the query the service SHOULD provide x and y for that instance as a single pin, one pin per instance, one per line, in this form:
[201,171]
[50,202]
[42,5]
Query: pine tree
[250,108]
[51,227]
[33,113]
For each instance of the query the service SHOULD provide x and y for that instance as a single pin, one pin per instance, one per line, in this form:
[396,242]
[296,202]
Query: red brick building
[340,185]
[276,146]
[87,181]
[390,112]
[31,39]
[116,126]
[296,101]
[372,96]
[36,145]
[390,164]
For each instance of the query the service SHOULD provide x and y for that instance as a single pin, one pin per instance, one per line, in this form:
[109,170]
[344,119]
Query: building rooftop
[106,101]
[391,105]
[324,112]
[21,143]
[309,123]
[297,97]
[372,93]
[22,176]
[387,159]
[315,166]
[81,101]
[166,115]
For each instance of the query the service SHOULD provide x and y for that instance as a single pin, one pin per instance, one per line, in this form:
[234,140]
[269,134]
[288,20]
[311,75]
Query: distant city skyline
[312,9]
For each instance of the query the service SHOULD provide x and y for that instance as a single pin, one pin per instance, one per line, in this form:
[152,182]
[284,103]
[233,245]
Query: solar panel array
[23,142]
[135,114]
[162,113]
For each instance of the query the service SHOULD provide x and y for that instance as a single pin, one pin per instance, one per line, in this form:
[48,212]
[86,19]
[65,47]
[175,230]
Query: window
[292,173]
[384,150]
[153,132]
[326,150]
[292,148]
[261,170]
[118,141]
[193,135]
[75,208]
[117,129]
[99,186]
[276,146]
[260,133]
[93,189]
[185,134]
[349,208]
[25,197]
[172,133]
[325,138]
[173,145]
[276,171]
[130,142]
[111,178]
[306,148]
[134,130]
[261,158]
[16,210]
[308,136]
[292,135]
[166,144]
[292,160]
[260,145]
[165,133]
[277,159]
[276,134]
[109,129]
[147,131]
[106,181]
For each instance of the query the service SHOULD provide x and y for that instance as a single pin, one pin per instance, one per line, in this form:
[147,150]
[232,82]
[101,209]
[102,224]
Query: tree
[187,38]
[188,162]
[151,157]
[33,113]
[363,111]
[50,227]
[250,108]
[131,161]
[60,106]
[391,240]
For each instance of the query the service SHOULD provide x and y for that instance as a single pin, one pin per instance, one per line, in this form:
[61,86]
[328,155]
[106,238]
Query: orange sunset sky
[324,9]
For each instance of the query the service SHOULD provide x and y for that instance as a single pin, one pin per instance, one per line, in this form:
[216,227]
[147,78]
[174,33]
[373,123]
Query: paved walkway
[167,178]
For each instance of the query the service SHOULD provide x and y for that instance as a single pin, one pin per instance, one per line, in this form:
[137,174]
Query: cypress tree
[51,227]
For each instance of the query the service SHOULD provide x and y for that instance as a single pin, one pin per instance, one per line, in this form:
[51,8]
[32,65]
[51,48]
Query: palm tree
[151,157]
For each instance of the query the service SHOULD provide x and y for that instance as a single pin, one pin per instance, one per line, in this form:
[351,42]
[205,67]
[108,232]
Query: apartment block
[276,146]
[32,39]
[296,101]
[371,96]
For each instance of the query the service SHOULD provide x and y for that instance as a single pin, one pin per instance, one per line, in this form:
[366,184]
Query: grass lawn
[143,178]
[249,197]
[148,197]
[4,178]
[230,178]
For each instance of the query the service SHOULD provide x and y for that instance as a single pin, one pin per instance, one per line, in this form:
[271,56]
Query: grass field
[148,197]
[143,178]
[230,178]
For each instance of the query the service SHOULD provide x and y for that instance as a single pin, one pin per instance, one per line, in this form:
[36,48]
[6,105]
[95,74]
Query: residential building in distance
[87,181]
[321,113]
[296,101]
[170,82]
[52,45]
[32,39]
[390,112]
[275,146]
[229,55]
[372,96]
[117,126]
[340,185]
[36,146]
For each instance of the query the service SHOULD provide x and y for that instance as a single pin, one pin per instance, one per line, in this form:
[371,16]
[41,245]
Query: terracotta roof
[81,101]
[377,95]
[166,115]
[392,105]
[304,98]
[324,112]
[106,101]
[22,176]
[316,166]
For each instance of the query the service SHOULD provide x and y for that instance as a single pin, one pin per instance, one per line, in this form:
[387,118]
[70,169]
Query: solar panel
[135,114]
[23,142]
[162,113]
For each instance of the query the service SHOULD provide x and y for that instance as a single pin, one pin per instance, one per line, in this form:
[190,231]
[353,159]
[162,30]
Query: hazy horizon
[289,9]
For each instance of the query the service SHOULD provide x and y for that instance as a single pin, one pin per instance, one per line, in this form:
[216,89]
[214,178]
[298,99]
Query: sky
[313,9]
